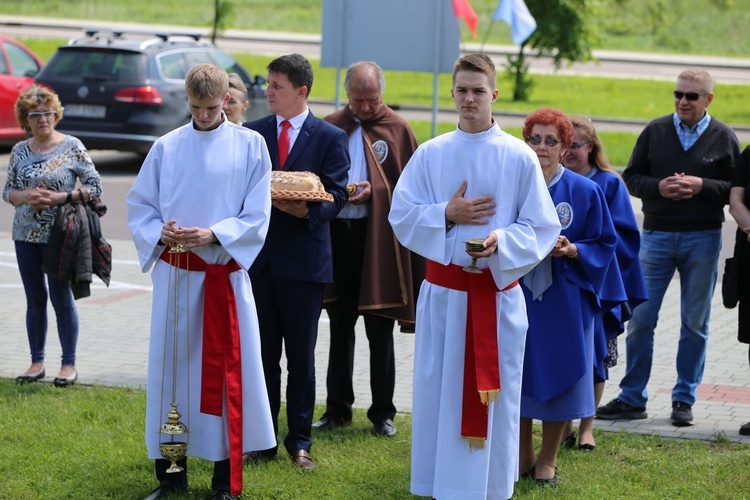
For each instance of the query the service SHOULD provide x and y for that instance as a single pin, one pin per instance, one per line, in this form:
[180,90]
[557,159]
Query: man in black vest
[681,168]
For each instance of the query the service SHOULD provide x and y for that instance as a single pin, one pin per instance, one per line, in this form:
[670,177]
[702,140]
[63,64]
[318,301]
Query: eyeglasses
[690,96]
[579,145]
[536,140]
[37,115]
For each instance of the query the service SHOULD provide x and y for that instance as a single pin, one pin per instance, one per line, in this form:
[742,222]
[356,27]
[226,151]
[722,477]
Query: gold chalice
[474,245]
[173,450]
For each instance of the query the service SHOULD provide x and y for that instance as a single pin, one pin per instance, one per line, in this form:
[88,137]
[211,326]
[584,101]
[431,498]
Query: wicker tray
[301,195]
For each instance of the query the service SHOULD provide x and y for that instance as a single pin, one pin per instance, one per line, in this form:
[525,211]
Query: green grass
[716,27]
[87,442]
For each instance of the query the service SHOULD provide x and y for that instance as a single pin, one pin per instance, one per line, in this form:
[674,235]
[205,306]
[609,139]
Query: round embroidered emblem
[381,150]
[565,214]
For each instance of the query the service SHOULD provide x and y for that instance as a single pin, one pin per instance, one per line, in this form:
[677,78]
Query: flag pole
[486,35]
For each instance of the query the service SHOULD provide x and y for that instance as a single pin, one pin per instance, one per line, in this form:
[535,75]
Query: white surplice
[497,164]
[219,179]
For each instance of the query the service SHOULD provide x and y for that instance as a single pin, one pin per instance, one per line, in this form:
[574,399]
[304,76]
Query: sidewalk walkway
[113,346]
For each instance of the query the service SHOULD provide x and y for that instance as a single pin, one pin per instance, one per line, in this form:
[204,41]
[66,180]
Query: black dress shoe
[25,379]
[164,492]
[586,447]
[66,381]
[326,423]
[222,495]
[385,428]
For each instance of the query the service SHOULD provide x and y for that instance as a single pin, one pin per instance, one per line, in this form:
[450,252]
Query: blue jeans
[29,257]
[695,256]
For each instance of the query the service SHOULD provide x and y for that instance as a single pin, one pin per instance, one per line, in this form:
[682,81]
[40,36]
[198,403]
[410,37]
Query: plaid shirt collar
[688,135]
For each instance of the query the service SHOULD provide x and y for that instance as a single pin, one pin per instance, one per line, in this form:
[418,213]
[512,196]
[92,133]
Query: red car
[18,66]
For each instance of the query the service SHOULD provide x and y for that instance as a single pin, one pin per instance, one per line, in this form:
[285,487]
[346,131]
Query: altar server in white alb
[474,182]
[206,186]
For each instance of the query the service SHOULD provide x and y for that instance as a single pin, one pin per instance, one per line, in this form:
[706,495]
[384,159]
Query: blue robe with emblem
[628,246]
[559,361]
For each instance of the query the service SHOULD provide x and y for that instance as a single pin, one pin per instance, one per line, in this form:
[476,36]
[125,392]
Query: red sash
[221,361]
[481,368]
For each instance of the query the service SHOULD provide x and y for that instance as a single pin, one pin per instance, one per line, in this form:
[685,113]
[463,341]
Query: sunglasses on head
[690,96]
[536,140]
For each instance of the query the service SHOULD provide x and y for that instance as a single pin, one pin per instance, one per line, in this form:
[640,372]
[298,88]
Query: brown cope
[391,273]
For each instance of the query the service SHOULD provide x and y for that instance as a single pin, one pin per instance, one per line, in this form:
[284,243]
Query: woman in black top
[739,207]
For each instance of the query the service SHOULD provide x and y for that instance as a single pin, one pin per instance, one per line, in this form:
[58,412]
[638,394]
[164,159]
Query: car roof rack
[111,34]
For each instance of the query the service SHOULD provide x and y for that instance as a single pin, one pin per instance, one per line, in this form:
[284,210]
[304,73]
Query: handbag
[730,285]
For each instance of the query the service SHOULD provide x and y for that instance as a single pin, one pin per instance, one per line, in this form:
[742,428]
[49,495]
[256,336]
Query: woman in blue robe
[564,295]
[586,157]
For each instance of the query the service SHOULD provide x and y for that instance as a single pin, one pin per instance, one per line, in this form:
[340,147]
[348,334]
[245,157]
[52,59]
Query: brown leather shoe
[302,459]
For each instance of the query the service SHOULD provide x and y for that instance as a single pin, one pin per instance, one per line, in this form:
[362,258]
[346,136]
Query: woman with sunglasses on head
[586,157]
[564,294]
[42,174]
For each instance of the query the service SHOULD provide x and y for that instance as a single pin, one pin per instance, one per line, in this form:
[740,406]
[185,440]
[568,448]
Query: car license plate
[84,111]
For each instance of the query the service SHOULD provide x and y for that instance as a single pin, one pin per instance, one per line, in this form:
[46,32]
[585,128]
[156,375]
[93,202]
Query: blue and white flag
[517,15]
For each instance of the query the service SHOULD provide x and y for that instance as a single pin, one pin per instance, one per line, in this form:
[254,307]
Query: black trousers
[288,315]
[178,480]
[348,239]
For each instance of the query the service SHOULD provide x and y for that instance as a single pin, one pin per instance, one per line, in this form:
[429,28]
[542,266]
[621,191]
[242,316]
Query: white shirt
[293,131]
[357,173]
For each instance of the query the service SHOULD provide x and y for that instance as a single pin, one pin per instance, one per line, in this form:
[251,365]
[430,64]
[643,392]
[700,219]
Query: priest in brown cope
[374,276]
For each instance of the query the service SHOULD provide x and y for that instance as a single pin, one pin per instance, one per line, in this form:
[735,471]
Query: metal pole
[339,62]
[436,67]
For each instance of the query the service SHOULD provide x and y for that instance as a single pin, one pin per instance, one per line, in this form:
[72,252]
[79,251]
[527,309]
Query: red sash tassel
[222,362]
[481,384]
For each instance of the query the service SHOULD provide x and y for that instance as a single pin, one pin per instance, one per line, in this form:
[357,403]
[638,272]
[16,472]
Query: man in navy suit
[288,276]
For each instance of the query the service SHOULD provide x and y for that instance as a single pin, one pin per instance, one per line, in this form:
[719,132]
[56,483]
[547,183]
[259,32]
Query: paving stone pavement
[113,344]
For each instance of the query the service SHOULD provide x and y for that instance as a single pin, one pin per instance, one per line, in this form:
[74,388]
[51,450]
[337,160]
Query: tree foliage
[563,32]
[563,29]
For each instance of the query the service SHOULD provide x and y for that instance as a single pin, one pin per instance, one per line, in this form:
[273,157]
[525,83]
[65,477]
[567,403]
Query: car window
[104,65]
[3,65]
[21,63]
[228,63]
[175,64]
